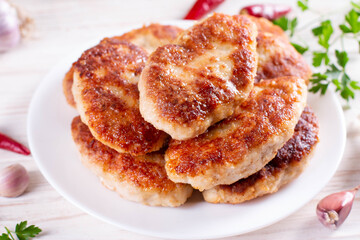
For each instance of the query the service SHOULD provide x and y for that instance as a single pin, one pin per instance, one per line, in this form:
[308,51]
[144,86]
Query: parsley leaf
[293,24]
[24,233]
[324,32]
[333,72]
[317,31]
[319,57]
[342,58]
[5,236]
[320,83]
[345,86]
[345,91]
[352,19]
[300,48]
[352,23]
[355,85]
[337,84]
[20,226]
[287,24]
[345,29]
[282,22]
[303,5]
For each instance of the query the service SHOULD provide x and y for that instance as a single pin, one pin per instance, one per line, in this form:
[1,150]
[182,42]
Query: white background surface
[64,26]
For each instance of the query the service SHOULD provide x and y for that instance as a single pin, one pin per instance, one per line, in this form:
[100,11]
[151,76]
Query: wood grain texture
[61,27]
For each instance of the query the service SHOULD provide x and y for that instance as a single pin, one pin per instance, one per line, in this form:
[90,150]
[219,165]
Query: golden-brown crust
[288,163]
[67,86]
[152,36]
[106,95]
[144,175]
[136,169]
[148,37]
[277,57]
[261,125]
[185,81]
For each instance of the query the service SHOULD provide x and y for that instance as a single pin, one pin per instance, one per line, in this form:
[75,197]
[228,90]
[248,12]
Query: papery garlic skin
[10,34]
[14,180]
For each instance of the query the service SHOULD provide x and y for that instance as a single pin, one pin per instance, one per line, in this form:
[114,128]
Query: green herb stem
[308,24]
[342,41]
[9,233]
[336,39]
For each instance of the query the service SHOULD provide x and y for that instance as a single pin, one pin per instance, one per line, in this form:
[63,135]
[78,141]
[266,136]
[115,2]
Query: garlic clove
[9,39]
[335,208]
[10,33]
[14,180]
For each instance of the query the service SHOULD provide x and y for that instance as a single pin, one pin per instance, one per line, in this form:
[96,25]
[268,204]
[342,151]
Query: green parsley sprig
[21,231]
[329,71]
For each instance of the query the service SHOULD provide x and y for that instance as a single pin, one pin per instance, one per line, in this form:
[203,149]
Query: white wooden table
[64,25]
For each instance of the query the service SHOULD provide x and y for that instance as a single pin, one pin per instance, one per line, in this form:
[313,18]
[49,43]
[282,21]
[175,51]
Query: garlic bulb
[10,33]
[14,180]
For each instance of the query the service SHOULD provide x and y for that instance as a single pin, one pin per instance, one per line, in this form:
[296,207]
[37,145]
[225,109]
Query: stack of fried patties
[219,107]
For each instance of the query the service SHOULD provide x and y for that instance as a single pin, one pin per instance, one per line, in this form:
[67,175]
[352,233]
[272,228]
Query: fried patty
[141,179]
[200,78]
[67,86]
[148,37]
[287,165]
[107,98]
[277,57]
[242,144]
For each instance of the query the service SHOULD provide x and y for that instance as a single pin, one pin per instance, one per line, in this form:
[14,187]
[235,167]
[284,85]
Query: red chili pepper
[269,11]
[202,7]
[11,145]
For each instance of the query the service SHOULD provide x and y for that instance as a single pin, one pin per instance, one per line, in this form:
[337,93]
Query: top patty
[199,80]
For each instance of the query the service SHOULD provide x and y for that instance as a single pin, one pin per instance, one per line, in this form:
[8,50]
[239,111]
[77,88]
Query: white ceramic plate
[55,154]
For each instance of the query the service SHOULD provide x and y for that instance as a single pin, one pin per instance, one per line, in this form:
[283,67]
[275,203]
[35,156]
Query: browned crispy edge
[289,161]
[163,32]
[139,171]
